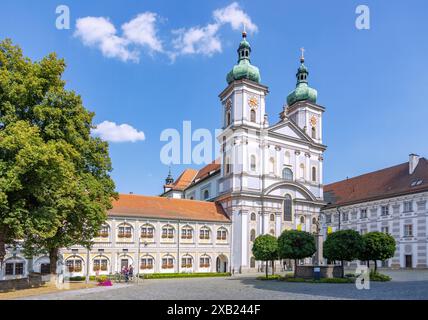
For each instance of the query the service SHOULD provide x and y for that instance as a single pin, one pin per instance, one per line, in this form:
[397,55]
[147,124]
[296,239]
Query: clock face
[253,102]
[313,121]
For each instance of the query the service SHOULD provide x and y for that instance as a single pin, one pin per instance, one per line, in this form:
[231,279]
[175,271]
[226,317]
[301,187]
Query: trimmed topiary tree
[377,246]
[294,244]
[265,248]
[343,245]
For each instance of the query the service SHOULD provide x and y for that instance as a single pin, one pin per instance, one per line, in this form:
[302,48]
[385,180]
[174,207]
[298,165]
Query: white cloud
[235,16]
[205,40]
[100,33]
[197,40]
[142,31]
[110,131]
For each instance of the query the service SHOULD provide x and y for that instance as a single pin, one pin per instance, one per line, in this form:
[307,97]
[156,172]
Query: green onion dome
[244,69]
[302,91]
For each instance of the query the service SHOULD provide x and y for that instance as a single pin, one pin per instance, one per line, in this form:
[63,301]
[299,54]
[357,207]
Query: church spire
[302,91]
[244,69]
[169,179]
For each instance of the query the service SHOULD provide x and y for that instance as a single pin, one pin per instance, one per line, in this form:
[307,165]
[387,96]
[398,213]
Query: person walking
[131,272]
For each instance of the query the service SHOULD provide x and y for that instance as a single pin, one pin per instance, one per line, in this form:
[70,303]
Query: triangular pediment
[288,128]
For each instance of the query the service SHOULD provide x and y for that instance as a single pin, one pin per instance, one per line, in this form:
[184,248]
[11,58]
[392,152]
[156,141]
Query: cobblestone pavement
[245,287]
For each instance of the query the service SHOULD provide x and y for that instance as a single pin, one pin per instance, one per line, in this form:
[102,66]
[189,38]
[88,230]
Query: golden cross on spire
[302,57]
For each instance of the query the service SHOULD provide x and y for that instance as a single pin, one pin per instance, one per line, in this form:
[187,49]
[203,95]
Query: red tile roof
[167,208]
[384,183]
[207,170]
[184,180]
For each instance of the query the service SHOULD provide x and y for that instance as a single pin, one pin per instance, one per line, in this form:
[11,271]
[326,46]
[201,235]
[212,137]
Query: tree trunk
[368,264]
[267,268]
[53,257]
[2,248]
[273,267]
[375,266]
[295,267]
[343,268]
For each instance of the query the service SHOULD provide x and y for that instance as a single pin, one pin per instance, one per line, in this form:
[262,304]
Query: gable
[289,129]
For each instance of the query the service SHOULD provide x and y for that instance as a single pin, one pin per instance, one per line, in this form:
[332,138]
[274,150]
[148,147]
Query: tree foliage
[294,244]
[343,245]
[55,184]
[265,248]
[377,246]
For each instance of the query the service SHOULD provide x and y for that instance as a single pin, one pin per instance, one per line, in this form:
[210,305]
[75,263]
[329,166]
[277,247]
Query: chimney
[413,162]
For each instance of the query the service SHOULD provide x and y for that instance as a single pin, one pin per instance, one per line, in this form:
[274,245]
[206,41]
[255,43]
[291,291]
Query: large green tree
[55,184]
[377,246]
[343,245]
[265,248]
[294,244]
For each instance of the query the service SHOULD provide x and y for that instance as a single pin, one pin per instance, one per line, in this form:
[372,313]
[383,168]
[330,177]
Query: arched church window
[272,217]
[253,163]
[253,216]
[253,115]
[206,194]
[288,208]
[302,220]
[314,220]
[314,133]
[227,164]
[314,174]
[253,235]
[287,174]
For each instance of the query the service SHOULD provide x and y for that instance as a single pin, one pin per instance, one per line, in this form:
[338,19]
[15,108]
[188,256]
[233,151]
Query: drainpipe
[178,246]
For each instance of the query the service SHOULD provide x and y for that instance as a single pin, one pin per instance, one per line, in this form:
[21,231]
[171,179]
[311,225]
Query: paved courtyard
[406,285]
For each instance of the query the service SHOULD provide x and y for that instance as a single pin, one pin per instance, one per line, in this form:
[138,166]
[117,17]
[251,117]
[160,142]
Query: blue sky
[372,82]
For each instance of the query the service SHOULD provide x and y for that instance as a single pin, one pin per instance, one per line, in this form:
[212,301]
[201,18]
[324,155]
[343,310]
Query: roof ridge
[368,173]
[164,198]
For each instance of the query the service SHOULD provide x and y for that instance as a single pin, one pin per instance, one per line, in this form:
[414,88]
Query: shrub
[270,277]
[183,275]
[376,276]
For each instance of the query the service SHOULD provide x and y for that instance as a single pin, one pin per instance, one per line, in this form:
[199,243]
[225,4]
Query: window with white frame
[287,174]
[104,231]
[74,265]
[328,218]
[187,232]
[124,231]
[222,234]
[14,268]
[408,206]
[100,264]
[168,232]
[408,230]
[288,208]
[253,165]
[147,263]
[204,233]
[204,261]
[384,211]
[363,213]
[167,262]
[147,231]
[187,262]
[314,174]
